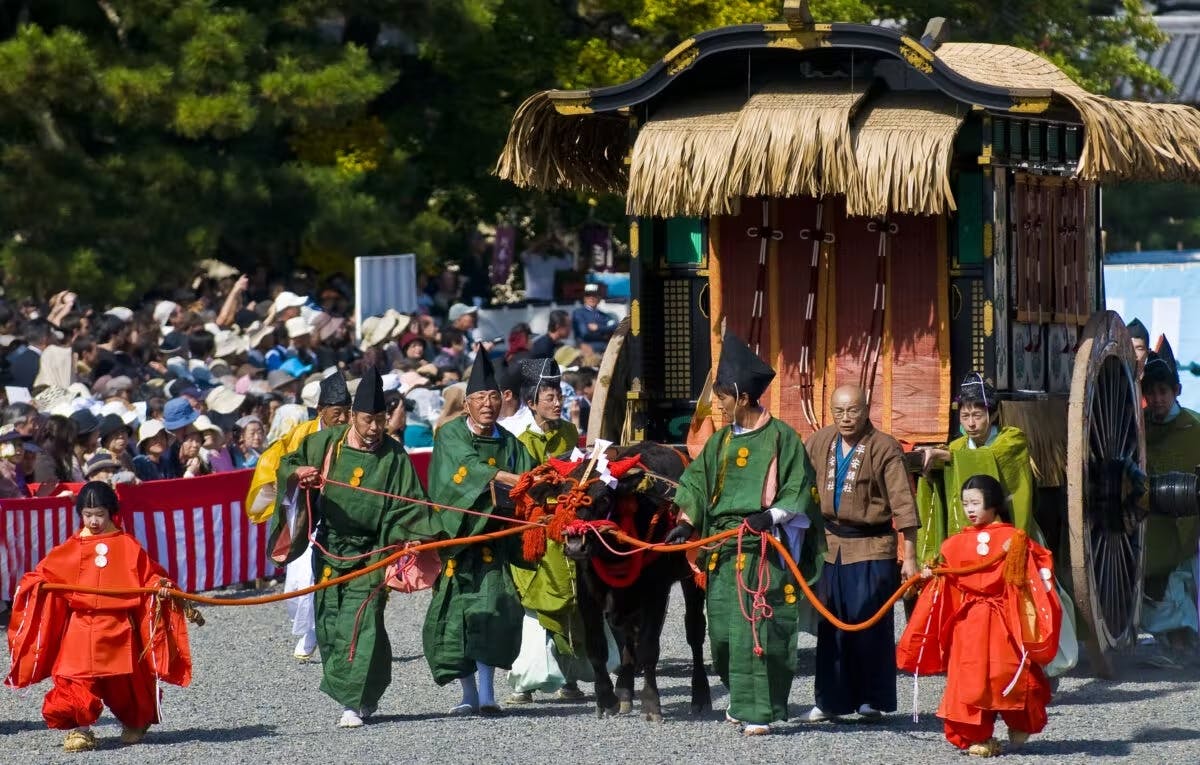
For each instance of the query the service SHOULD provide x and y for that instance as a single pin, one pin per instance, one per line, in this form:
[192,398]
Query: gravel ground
[250,702]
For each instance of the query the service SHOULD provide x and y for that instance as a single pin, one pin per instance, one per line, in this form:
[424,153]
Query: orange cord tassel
[1014,562]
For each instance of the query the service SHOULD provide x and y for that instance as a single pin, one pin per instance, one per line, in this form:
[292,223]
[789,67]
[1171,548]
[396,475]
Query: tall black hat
[741,369]
[1160,366]
[368,399]
[1138,331]
[535,371]
[334,391]
[483,375]
[977,389]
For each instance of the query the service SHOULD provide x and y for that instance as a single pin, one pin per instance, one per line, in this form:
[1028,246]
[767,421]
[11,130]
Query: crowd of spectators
[204,379]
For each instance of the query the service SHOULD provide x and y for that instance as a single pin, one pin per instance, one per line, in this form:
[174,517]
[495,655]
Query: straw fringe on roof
[680,163]
[1123,140]
[547,150]
[788,143]
[903,149]
[696,159]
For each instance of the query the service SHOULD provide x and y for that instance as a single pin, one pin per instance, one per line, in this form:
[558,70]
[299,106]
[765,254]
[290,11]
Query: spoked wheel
[1106,493]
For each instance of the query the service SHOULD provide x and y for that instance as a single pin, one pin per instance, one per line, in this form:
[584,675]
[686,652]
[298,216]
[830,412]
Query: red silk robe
[988,633]
[94,646]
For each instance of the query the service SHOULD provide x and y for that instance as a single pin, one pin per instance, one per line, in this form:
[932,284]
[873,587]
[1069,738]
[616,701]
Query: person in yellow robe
[288,431]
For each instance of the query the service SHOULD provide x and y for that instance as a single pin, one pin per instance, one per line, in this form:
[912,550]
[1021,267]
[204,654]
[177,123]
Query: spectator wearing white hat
[154,461]
[213,449]
[168,315]
[300,340]
[286,306]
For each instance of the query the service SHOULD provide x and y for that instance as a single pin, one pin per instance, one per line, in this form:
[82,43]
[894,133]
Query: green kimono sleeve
[284,546]
[798,494]
[694,495]
[405,521]
[459,477]
[931,509]
[1011,450]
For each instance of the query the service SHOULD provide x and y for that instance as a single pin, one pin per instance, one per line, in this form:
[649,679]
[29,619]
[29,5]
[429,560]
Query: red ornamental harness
[564,521]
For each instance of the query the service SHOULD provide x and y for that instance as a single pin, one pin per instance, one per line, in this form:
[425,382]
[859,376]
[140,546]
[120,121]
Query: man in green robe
[548,591]
[474,620]
[1169,610]
[983,448]
[753,472]
[350,530]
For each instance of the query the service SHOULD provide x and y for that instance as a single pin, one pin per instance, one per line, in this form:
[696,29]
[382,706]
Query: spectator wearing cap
[119,389]
[248,437]
[87,440]
[114,438]
[53,465]
[558,329]
[464,318]
[590,324]
[102,466]
[286,306]
[153,462]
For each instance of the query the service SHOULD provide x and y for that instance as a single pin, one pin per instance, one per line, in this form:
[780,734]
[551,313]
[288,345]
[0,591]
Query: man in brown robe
[866,498]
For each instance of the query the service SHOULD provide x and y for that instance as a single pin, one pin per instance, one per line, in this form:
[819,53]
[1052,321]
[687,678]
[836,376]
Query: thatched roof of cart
[777,110]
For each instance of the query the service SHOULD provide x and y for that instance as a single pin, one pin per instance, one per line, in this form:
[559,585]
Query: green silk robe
[939,497]
[475,614]
[552,443]
[355,652]
[549,588]
[717,491]
[1171,446]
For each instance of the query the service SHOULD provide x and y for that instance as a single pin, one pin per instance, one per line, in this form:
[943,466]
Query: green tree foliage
[138,136]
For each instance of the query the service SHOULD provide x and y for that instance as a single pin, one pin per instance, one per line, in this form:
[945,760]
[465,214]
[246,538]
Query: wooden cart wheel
[1106,454]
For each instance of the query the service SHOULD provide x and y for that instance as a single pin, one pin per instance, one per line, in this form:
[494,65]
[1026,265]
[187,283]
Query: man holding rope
[474,620]
[865,499]
[359,499]
[753,475]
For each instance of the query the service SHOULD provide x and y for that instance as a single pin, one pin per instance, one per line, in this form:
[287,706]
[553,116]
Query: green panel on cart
[971,217]
[685,242]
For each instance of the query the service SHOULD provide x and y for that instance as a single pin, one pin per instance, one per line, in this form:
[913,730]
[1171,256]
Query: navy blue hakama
[856,668]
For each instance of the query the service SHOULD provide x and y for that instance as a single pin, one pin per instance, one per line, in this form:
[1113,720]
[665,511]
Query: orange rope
[521,527]
[808,593]
[263,599]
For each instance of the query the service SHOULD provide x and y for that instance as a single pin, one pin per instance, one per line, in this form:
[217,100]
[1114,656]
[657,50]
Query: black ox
[634,601]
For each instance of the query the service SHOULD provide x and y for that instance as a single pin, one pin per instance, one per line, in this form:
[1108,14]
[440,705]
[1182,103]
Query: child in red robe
[99,649]
[990,630]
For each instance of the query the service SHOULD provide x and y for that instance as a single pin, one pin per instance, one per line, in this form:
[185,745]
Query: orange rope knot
[566,505]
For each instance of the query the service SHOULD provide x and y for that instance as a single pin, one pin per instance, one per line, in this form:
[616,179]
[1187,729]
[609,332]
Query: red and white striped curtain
[196,528]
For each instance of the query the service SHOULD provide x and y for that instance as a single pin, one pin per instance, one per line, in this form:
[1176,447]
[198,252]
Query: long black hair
[96,494]
[994,497]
